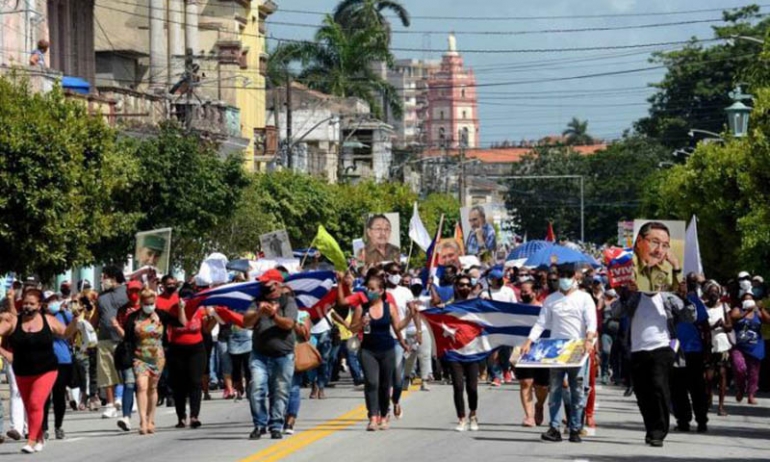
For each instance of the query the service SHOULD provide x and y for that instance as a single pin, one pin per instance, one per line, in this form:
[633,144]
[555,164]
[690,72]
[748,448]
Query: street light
[748,39]
[738,113]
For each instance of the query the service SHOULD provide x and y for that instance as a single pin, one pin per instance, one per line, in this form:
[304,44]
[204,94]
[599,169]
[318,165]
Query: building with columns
[452,103]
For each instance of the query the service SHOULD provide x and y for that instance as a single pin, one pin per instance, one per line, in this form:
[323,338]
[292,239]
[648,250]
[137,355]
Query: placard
[276,244]
[382,239]
[550,353]
[153,248]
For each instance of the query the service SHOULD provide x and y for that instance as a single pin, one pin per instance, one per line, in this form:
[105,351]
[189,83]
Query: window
[441,116]
[462,93]
[465,115]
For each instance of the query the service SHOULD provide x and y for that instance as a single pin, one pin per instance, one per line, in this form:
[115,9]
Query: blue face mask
[565,284]
[372,296]
[54,307]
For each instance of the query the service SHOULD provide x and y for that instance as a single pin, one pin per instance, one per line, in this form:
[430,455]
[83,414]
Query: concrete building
[410,78]
[143,45]
[452,103]
[331,137]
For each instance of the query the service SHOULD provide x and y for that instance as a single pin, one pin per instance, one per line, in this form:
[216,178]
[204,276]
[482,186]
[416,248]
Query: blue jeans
[355,367]
[320,375]
[294,397]
[501,363]
[575,403]
[270,377]
[225,364]
[398,375]
[129,386]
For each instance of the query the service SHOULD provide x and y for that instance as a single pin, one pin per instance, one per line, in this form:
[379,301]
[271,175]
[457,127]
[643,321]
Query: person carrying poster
[656,266]
[379,241]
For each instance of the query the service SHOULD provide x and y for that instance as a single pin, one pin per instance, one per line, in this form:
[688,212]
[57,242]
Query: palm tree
[368,13]
[339,62]
[577,132]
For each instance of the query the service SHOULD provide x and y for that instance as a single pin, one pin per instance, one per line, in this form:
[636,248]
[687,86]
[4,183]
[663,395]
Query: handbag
[306,357]
[123,356]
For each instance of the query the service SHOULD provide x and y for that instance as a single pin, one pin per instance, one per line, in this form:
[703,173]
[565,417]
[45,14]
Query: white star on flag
[448,331]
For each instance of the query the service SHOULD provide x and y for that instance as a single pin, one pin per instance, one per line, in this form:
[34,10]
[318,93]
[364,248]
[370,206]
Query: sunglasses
[463,285]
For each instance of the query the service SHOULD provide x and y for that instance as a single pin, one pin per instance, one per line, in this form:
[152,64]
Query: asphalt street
[333,430]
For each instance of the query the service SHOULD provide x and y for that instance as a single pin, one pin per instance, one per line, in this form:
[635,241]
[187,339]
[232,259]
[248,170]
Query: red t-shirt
[191,333]
[359,298]
[168,303]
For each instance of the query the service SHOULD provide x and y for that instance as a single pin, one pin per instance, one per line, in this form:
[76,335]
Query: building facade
[452,103]
[410,78]
[152,45]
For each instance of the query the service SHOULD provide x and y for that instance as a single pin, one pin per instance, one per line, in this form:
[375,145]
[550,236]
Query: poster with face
[626,234]
[658,254]
[276,244]
[382,239]
[153,248]
[478,227]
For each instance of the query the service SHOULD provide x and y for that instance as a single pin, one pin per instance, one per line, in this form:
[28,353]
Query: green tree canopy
[60,172]
[577,133]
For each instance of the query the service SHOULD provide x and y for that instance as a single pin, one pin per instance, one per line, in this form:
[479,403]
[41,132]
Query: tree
[694,91]
[339,62]
[186,186]
[368,14]
[60,174]
[577,133]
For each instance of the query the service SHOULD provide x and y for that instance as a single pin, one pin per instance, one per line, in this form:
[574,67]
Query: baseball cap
[759,279]
[48,294]
[496,273]
[134,285]
[32,280]
[271,275]
[744,275]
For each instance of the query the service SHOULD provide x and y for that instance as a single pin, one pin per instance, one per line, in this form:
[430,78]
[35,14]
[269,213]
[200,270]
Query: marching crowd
[133,346]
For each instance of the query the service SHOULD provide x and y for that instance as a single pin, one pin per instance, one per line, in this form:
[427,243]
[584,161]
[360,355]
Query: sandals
[372,426]
[384,423]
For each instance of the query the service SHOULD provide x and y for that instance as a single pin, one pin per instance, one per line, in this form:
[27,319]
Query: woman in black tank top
[33,359]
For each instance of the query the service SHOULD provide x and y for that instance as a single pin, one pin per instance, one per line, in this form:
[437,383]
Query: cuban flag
[315,291]
[236,296]
[471,330]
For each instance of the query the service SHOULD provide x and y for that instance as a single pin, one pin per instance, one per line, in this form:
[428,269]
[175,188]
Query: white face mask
[749,304]
[148,309]
[745,285]
[394,279]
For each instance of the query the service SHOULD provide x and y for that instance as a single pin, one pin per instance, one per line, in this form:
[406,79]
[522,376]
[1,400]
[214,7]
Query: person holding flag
[569,313]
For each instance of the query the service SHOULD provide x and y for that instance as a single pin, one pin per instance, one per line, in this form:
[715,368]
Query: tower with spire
[452,102]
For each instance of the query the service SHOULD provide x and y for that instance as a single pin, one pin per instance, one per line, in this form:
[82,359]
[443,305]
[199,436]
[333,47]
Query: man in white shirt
[653,317]
[569,313]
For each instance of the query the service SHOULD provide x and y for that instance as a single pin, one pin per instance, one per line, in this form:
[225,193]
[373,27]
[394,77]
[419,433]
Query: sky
[528,95]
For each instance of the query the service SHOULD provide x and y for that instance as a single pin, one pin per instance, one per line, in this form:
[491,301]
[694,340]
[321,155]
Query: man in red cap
[272,359]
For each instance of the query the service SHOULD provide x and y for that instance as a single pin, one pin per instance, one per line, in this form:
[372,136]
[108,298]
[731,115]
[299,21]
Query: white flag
[417,231]
[692,262]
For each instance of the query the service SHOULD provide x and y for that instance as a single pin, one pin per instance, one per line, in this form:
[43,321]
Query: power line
[530,18]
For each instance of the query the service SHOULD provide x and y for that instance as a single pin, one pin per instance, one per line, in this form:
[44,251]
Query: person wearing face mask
[749,348]
[720,324]
[143,333]
[58,397]
[532,378]
[498,362]
[744,284]
[133,289]
[687,380]
[112,297]
[31,342]
[569,314]
[404,302]
[377,317]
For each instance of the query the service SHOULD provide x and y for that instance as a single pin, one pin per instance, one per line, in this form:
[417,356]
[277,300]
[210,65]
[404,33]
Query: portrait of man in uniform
[658,257]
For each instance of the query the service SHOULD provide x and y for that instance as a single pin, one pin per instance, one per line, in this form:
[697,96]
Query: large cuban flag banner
[471,330]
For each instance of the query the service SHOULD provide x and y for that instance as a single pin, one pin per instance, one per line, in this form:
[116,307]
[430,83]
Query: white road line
[72,440]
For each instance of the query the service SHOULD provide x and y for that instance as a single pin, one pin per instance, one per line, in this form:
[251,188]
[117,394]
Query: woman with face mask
[720,324]
[64,358]
[375,317]
[749,348]
[31,340]
[133,289]
[143,334]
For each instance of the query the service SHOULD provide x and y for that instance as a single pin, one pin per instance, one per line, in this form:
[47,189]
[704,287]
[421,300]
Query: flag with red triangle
[550,235]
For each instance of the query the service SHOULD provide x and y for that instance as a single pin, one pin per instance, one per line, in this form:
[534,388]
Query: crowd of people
[133,346]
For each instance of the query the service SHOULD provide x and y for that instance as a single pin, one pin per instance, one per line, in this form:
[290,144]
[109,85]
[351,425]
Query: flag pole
[435,249]
[307,252]
[409,258]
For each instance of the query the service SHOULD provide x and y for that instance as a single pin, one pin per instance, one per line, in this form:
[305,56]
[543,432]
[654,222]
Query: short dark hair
[566,268]
[165,278]
[113,272]
[462,276]
[650,225]
[389,267]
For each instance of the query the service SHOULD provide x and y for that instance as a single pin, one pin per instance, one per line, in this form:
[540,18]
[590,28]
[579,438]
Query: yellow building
[141,45]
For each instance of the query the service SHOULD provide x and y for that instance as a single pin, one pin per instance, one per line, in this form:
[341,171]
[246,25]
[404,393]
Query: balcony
[229,51]
[263,64]
[267,8]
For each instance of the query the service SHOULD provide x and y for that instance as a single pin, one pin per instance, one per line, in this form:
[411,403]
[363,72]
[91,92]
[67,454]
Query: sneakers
[702,428]
[59,433]
[574,437]
[496,382]
[276,434]
[462,426]
[255,434]
[109,412]
[27,449]
[591,422]
[94,404]
[124,424]
[38,447]
[474,427]
[552,435]
[629,391]
[13,434]
[508,377]
[119,404]
[424,386]
[288,430]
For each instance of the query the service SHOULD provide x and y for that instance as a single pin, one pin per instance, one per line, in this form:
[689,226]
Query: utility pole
[289,154]
[463,134]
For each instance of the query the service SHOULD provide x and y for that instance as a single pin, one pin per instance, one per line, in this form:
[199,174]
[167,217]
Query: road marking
[304,439]
[72,440]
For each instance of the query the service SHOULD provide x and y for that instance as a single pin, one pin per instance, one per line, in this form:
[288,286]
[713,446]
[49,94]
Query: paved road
[333,430]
